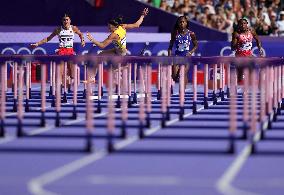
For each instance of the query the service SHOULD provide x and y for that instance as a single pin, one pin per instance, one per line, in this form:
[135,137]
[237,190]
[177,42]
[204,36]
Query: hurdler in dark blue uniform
[182,37]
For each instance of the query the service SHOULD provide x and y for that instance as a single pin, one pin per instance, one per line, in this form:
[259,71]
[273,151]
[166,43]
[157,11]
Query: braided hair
[176,26]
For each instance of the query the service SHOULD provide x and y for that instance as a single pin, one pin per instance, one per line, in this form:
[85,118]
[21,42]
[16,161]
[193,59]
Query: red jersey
[244,44]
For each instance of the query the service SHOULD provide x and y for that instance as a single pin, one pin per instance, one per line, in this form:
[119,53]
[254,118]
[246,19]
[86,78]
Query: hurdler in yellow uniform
[117,36]
[120,44]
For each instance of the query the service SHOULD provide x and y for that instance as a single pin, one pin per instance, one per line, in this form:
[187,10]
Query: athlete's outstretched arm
[45,40]
[78,32]
[173,35]
[138,22]
[195,44]
[234,41]
[258,43]
[105,43]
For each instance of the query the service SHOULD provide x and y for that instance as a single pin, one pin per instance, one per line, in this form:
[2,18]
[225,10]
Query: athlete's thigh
[108,52]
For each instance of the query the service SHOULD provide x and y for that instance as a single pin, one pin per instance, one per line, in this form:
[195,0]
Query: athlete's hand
[90,37]
[145,12]
[34,45]
[189,54]
[83,43]
[261,53]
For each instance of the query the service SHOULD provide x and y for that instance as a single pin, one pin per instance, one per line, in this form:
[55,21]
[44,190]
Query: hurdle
[3,99]
[269,73]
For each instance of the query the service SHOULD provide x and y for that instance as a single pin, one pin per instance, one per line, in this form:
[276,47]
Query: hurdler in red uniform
[242,42]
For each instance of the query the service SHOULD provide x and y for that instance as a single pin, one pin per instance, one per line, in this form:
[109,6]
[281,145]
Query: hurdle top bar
[91,60]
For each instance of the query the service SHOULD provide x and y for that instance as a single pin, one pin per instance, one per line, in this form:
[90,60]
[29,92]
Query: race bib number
[123,41]
[246,46]
[183,46]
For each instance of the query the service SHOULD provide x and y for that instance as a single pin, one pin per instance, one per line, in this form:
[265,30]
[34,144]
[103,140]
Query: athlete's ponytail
[117,21]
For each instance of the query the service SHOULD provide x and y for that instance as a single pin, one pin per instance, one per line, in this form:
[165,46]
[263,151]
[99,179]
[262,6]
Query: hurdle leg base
[279,109]
[146,98]
[57,120]
[89,145]
[168,114]
[15,105]
[42,119]
[129,103]
[222,95]
[253,148]
[110,147]
[102,91]
[116,88]
[74,113]
[194,108]
[262,132]
[214,98]
[269,124]
[53,101]
[84,93]
[274,114]
[220,92]
[141,130]
[64,99]
[181,113]
[245,130]
[266,108]
[118,102]
[50,91]
[99,109]
[20,132]
[228,92]
[2,129]
[69,88]
[148,120]
[231,149]
[253,144]
[134,98]
[123,133]
[27,109]
[30,93]
[206,105]
[159,94]
[163,120]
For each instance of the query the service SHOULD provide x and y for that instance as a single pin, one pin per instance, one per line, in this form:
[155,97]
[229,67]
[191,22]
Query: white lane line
[7,139]
[224,184]
[36,185]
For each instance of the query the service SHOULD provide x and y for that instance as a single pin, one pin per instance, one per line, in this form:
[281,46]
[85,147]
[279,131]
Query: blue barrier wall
[206,48]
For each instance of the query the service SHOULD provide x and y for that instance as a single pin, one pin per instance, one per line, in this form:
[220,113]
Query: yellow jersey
[121,42]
